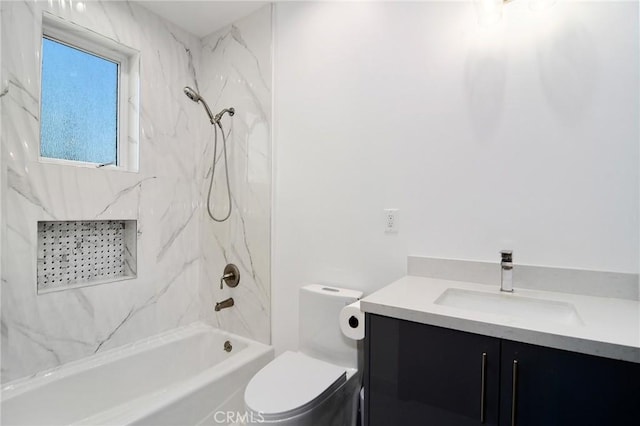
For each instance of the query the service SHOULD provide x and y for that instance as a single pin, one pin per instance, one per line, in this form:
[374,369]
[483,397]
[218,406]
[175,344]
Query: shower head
[195,97]
[192,94]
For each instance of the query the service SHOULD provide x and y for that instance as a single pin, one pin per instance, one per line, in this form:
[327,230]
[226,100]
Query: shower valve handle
[231,276]
[225,277]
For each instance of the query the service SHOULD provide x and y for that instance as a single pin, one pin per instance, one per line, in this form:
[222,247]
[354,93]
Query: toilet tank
[319,332]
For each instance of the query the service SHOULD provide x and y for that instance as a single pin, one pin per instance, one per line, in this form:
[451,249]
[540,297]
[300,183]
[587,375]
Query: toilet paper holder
[352,321]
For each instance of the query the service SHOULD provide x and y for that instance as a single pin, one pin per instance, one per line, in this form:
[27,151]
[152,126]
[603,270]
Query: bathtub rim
[146,405]
[22,385]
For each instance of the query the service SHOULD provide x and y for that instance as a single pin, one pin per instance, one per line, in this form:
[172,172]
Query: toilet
[319,384]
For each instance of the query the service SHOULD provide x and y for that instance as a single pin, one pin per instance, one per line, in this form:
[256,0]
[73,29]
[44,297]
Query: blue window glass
[79,105]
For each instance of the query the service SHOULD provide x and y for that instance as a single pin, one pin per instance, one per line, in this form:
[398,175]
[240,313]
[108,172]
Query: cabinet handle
[483,390]
[514,393]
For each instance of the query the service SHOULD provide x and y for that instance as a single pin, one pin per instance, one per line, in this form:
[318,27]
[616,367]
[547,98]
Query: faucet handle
[506,255]
[231,276]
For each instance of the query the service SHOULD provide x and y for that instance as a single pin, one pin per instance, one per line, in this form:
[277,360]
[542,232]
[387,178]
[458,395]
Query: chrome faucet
[506,267]
[226,303]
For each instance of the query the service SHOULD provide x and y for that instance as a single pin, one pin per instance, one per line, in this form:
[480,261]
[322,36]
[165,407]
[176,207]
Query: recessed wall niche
[82,253]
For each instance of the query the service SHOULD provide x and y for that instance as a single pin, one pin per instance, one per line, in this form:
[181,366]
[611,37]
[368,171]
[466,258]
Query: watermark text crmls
[226,417]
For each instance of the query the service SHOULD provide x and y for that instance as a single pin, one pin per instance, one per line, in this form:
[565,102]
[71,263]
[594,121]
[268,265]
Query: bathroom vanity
[441,352]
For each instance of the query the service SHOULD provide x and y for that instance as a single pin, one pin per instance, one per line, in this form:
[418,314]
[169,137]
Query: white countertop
[608,327]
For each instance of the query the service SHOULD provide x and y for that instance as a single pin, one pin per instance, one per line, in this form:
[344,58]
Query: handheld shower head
[192,94]
[195,97]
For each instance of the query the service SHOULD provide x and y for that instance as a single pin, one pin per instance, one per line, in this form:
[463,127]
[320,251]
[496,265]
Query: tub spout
[227,303]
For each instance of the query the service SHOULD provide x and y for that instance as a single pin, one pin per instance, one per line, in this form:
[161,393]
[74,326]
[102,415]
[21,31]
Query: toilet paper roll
[352,321]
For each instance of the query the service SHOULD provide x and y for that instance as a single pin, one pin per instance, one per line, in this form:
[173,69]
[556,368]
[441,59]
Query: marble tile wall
[43,331]
[238,64]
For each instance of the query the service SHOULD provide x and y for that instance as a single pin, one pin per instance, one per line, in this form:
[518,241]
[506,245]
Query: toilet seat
[291,384]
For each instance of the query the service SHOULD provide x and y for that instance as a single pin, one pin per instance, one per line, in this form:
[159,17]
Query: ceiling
[201,17]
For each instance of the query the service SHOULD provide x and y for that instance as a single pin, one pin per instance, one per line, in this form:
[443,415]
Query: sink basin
[512,305]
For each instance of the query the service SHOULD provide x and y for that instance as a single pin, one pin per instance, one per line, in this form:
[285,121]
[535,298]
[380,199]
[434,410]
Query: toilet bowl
[319,384]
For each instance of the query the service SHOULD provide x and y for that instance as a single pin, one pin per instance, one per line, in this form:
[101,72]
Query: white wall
[522,136]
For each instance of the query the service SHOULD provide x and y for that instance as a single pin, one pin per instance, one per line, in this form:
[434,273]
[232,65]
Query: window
[89,93]
[79,119]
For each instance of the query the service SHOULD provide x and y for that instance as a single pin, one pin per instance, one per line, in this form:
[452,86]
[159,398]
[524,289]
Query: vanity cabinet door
[424,375]
[553,387]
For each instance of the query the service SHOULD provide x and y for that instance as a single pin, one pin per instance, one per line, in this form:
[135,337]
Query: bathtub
[181,377]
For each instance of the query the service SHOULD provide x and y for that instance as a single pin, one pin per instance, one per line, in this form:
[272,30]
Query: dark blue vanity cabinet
[552,387]
[418,374]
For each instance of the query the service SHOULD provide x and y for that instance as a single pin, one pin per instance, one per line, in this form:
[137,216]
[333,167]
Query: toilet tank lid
[330,290]
[291,384]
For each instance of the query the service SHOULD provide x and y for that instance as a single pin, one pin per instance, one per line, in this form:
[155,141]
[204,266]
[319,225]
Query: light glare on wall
[537,5]
[489,11]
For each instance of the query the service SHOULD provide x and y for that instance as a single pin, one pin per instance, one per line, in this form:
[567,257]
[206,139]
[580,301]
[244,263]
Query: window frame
[127,115]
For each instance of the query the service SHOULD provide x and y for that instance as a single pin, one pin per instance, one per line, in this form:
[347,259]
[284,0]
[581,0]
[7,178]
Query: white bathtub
[178,378]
